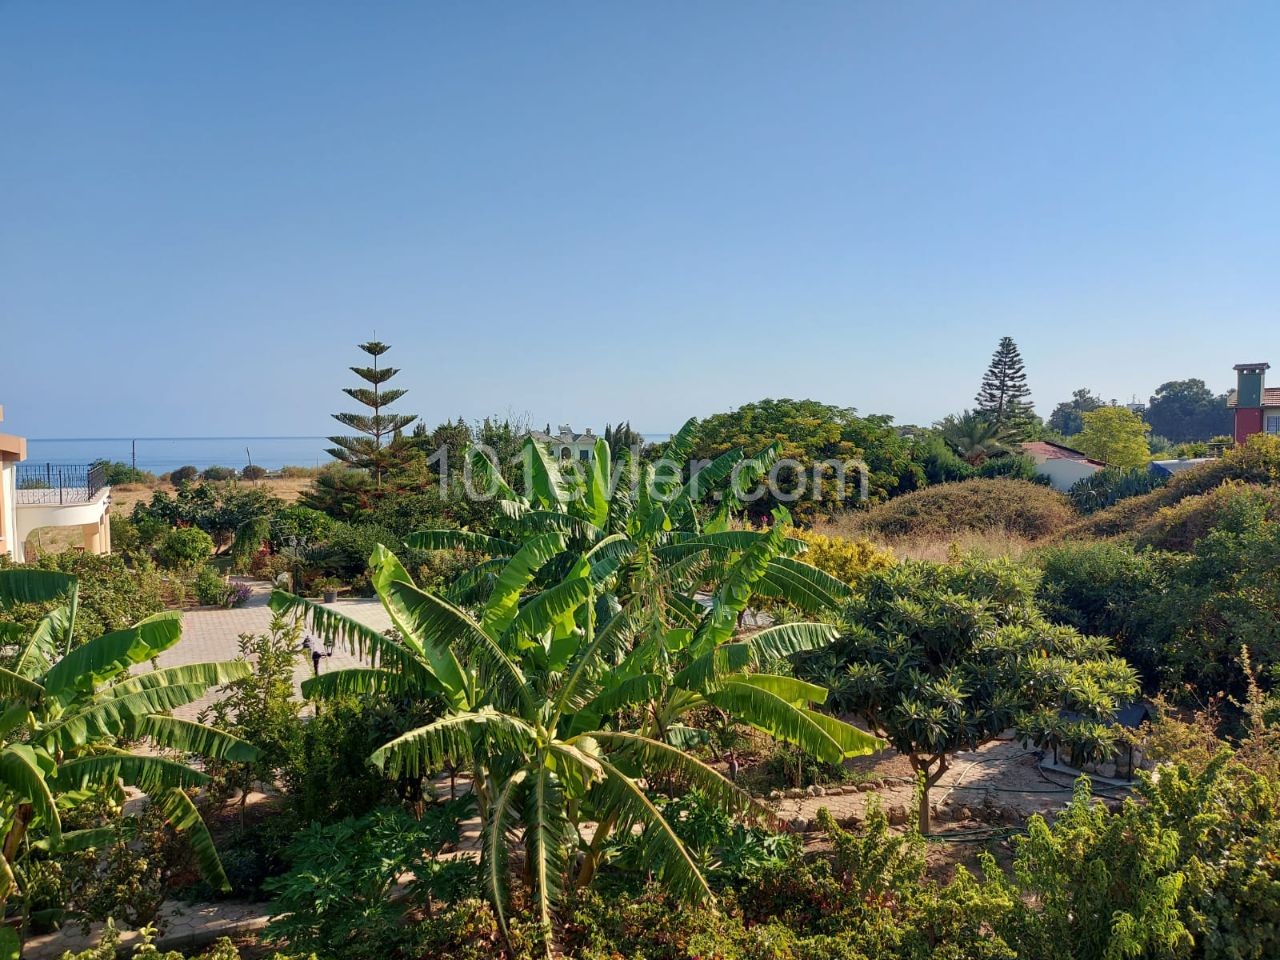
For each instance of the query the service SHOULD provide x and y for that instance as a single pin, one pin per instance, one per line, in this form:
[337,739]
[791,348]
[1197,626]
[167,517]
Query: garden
[605,690]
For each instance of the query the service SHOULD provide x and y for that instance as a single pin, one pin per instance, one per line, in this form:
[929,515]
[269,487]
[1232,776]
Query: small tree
[1004,396]
[1115,435]
[945,657]
[260,707]
[372,451]
[184,549]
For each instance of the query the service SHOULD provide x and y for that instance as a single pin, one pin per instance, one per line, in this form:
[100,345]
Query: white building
[49,495]
[566,444]
[1061,465]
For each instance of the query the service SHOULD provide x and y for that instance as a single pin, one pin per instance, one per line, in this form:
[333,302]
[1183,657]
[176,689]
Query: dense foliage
[1110,485]
[812,433]
[943,657]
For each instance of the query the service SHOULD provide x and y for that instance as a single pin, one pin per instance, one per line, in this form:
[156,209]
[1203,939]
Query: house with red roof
[1061,465]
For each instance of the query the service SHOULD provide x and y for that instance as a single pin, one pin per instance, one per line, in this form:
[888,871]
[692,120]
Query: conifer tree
[373,450]
[1004,397]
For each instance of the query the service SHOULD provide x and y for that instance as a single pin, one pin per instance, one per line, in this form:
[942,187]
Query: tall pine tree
[1004,396]
[374,449]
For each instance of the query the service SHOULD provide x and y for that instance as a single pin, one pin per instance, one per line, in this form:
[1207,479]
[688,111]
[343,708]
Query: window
[1273,424]
[584,454]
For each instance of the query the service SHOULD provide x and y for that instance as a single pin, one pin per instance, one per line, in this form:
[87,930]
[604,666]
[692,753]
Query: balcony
[54,484]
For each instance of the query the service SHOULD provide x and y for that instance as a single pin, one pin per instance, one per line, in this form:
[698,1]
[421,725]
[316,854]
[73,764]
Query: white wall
[1063,473]
[8,515]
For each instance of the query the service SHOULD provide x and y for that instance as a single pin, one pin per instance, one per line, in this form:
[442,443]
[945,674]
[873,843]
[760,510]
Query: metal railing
[60,482]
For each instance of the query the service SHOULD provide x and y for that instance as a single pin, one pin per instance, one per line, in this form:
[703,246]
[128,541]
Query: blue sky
[595,211]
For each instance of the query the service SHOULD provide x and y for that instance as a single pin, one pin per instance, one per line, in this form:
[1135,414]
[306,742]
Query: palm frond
[14,686]
[777,717]
[353,682]
[185,818]
[449,740]
[460,540]
[660,846]
[41,651]
[502,818]
[104,657]
[656,757]
[149,774]
[211,674]
[23,771]
[515,576]
[188,736]
[545,825]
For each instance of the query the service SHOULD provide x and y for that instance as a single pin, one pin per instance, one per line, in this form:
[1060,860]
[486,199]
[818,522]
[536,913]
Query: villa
[49,495]
[566,444]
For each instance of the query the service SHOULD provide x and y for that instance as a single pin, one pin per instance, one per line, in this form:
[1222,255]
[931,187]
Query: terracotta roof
[1270,397]
[1056,451]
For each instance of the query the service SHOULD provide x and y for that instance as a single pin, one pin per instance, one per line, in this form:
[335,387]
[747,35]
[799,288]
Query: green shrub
[1183,525]
[329,776]
[846,560]
[184,549]
[1107,589]
[1011,467]
[296,525]
[210,588]
[1028,509]
[253,472]
[183,475]
[336,898]
[112,595]
[218,473]
[117,474]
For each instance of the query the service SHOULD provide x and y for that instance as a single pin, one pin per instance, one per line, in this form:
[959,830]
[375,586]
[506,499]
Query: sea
[165,454]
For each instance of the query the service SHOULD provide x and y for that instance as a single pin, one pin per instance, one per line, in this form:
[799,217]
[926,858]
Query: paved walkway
[214,634]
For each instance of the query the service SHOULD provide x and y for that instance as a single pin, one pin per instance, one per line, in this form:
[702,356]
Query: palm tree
[976,437]
[64,712]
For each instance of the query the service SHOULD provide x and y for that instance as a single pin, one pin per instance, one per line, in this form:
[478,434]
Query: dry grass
[124,497]
[937,547]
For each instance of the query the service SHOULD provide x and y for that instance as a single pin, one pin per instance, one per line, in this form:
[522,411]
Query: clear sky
[583,212]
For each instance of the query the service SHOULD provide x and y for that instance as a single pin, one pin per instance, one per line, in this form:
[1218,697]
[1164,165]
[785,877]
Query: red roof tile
[1270,397]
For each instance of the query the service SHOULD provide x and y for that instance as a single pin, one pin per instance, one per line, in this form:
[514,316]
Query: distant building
[566,444]
[1257,406]
[1061,465]
[34,495]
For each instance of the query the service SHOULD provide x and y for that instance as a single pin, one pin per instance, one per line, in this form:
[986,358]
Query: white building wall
[8,512]
[1063,473]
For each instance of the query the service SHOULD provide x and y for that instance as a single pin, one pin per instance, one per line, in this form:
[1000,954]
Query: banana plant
[66,714]
[634,520]
[540,678]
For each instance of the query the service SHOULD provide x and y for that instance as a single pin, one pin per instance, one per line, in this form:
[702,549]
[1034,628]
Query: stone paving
[214,634]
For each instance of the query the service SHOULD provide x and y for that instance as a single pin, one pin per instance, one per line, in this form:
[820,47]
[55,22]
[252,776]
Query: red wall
[1248,422]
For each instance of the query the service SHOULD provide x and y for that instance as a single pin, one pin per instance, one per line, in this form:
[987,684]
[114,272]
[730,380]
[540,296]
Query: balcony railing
[59,483]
